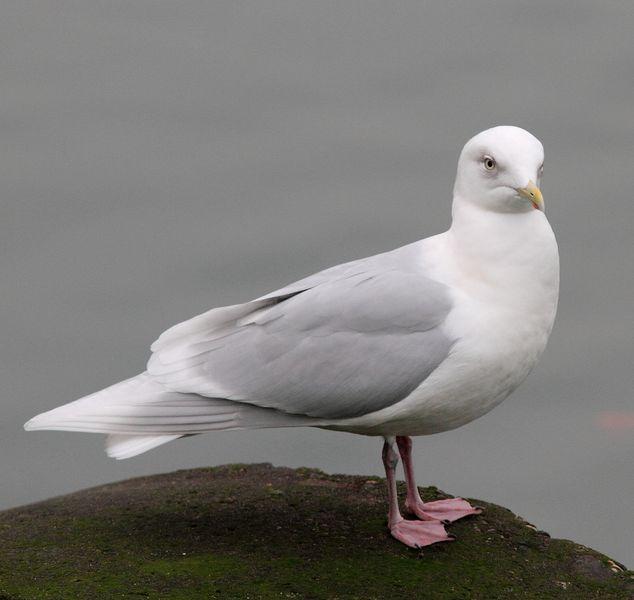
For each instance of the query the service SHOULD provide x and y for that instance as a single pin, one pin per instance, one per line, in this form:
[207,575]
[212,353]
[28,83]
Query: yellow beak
[532,192]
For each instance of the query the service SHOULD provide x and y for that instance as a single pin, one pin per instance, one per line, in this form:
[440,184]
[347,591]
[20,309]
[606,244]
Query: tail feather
[126,446]
[139,414]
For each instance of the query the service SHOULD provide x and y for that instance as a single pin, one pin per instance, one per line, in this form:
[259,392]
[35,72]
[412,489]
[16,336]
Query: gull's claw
[417,534]
[446,511]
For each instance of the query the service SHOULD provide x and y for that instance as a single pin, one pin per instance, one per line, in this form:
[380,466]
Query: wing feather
[342,343]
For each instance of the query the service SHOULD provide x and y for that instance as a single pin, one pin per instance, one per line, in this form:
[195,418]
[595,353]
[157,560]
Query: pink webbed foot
[417,534]
[445,511]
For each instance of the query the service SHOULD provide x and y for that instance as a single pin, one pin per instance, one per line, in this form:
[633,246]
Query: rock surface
[256,531]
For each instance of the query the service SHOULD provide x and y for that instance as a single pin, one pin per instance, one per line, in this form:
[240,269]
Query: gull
[411,342]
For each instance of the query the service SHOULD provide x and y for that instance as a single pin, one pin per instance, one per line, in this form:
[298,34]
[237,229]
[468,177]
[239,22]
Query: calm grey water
[160,158]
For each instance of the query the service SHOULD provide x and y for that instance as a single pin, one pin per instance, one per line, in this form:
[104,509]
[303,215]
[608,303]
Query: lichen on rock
[257,531]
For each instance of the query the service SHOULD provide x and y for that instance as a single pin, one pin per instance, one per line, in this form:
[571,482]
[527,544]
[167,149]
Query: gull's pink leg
[414,534]
[446,511]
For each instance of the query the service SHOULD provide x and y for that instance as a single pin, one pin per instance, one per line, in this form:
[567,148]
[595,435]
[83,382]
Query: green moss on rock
[255,531]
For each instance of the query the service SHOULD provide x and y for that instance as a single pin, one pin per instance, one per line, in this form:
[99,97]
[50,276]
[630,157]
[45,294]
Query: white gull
[415,341]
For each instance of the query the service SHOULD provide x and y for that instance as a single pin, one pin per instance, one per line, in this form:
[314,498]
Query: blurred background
[161,158]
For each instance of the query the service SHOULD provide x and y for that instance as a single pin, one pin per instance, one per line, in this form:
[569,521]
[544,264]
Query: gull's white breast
[502,317]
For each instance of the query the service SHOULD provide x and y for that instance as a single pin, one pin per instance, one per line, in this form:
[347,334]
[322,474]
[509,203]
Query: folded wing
[343,343]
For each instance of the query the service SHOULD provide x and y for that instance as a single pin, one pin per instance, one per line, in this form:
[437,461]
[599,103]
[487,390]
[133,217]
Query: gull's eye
[489,163]
[540,171]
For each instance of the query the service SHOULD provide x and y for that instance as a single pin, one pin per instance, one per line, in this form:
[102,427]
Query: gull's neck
[504,255]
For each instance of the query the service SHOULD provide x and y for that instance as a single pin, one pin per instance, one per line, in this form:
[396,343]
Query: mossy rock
[256,531]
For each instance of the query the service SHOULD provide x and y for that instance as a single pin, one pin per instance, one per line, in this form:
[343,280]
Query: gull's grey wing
[342,343]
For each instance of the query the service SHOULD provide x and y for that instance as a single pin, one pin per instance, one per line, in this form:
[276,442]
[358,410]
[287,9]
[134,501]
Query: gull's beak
[532,192]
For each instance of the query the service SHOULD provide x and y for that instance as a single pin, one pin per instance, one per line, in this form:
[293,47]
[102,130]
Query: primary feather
[310,353]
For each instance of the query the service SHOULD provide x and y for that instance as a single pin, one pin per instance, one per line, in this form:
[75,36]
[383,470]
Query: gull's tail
[139,414]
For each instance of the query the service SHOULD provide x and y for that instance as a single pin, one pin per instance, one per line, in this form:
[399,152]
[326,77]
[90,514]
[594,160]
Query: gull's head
[500,170]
